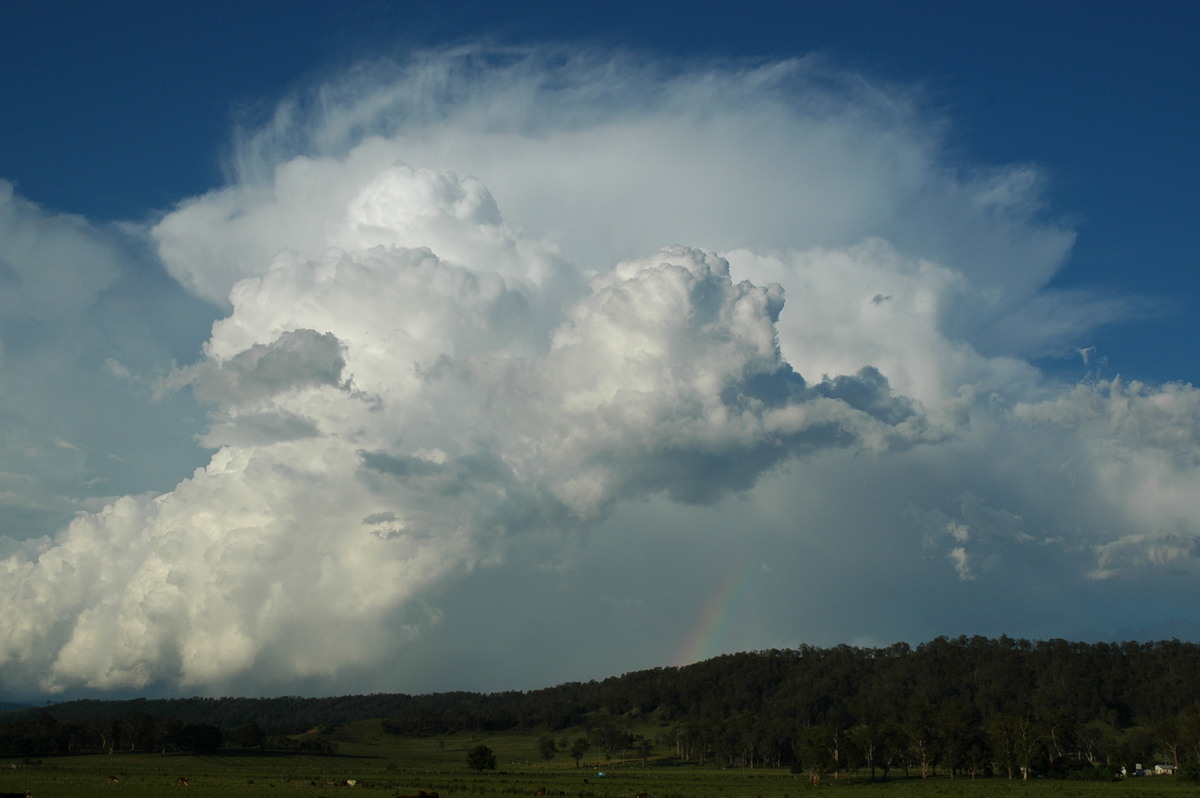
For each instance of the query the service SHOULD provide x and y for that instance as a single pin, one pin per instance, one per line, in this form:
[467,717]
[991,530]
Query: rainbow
[711,630]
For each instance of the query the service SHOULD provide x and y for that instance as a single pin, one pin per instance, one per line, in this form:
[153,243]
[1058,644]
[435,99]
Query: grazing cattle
[542,791]
[182,780]
[113,780]
[642,795]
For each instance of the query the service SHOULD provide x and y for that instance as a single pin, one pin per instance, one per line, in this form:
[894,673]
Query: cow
[182,781]
[113,780]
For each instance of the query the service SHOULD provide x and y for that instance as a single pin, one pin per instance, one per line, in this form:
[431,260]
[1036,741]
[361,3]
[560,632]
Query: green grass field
[385,765]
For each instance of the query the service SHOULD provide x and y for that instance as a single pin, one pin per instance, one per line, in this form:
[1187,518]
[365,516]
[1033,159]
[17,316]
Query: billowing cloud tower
[485,315]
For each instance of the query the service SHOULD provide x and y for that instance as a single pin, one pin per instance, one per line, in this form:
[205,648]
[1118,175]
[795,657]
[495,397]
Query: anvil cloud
[519,352]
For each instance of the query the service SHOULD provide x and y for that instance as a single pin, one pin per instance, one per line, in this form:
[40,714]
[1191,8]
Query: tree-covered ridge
[961,704]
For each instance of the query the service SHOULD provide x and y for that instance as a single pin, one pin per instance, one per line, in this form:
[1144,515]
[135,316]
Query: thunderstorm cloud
[514,346]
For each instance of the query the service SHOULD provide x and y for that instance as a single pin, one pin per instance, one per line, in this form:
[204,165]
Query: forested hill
[1119,684]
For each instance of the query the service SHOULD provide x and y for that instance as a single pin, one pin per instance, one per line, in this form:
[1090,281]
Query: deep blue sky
[117,110]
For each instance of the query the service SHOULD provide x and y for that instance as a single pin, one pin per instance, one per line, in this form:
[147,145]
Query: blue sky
[935,254]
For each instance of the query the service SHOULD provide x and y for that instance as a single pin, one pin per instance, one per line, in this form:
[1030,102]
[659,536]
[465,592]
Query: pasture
[382,765]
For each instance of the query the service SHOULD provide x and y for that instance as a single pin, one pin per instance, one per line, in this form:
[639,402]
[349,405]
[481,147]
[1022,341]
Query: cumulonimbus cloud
[422,401]
[485,295]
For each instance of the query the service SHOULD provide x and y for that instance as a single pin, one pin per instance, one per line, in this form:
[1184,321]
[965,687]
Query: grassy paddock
[387,765]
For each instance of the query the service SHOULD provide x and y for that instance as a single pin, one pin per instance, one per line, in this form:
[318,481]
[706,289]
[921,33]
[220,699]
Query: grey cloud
[401,467]
[76,298]
[869,392]
[296,359]
[1135,555]
[259,429]
[420,474]
[54,265]
[1163,418]
[771,388]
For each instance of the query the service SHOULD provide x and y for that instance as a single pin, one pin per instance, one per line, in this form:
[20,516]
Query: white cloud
[962,563]
[612,157]
[384,383]
[1138,553]
[1139,448]
[500,325]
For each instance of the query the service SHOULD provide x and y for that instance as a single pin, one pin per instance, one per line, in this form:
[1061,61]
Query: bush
[481,758]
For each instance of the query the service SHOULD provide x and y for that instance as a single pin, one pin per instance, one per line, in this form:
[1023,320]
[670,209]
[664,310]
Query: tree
[1170,737]
[610,738]
[199,737]
[139,732]
[1136,747]
[547,747]
[167,733]
[816,755]
[579,748]
[962,748]
[1097,741]
[867,736]
[481,758]
[643,748]
[110,734]
[1189,772]
[921,728]
[249,736]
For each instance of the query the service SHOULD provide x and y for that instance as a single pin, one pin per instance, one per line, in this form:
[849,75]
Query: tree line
[964,706]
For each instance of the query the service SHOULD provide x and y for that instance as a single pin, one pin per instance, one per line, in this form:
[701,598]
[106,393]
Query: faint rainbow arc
[715,618]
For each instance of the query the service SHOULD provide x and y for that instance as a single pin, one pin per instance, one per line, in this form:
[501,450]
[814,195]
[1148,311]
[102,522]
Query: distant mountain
[10,706]
[1175,629]
[1180,629]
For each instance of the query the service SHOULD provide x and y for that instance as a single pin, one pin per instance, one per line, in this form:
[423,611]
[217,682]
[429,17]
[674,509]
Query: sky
[390,347]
